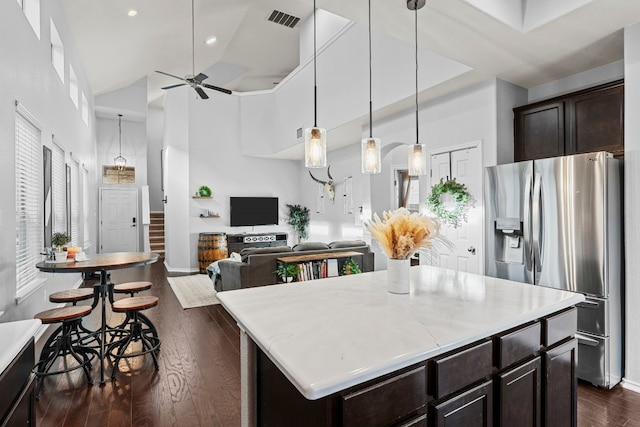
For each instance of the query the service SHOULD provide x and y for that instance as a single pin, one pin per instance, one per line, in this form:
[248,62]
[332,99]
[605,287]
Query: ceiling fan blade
[227,91]
[201,92]
[200,77]
[170,75]
[172,86]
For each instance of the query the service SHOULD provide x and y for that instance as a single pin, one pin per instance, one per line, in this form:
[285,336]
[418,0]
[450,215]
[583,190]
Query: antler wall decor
[328,185]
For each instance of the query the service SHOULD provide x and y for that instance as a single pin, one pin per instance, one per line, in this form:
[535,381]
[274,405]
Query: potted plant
[299,219]
[59,240]
[287,272]
[350,267]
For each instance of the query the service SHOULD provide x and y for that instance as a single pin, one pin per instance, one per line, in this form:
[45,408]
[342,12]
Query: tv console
[238,242]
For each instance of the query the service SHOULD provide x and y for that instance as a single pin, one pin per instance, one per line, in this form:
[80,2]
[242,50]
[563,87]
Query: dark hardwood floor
[198,381]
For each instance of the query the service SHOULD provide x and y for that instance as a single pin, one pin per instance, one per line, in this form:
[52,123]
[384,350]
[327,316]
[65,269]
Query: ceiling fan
[193,80]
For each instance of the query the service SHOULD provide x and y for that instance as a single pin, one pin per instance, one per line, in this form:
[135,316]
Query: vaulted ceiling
[526,42]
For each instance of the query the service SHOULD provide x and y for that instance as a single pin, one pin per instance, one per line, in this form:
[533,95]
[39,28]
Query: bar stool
[61,343]
[131,288]
[73,296]
[139,328]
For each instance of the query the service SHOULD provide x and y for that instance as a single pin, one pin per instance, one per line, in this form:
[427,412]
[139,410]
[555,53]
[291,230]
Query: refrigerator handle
[528,252]
[537,221]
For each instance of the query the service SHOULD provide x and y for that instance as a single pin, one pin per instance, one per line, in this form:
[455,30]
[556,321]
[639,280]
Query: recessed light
[132,12]
[210,40]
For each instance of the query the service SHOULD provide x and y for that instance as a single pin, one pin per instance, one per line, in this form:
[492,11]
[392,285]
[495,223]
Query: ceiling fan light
[417,160]
[371,158]
[315,147]
[210,40]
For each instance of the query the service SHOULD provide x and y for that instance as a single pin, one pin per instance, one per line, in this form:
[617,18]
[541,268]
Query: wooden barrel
[211,247]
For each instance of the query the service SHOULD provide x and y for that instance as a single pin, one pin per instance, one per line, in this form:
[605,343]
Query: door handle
[528,251]
[471,250]
[587,304]
[164,200]
[537,221]
[585,340]
[134,221]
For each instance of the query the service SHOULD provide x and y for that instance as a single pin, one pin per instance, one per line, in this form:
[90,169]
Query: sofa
[257,265]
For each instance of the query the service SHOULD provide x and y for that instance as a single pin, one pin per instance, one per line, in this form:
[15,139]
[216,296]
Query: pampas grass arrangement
[402,233]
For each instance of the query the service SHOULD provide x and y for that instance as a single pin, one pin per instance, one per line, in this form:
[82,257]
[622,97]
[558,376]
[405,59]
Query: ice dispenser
[509,247]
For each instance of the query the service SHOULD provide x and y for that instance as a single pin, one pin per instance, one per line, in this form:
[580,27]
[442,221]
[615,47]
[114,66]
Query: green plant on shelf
[60,240]
[204,191]
[285,270]
[350,267]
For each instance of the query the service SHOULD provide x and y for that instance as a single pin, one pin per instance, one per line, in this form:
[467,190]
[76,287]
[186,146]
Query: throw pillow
[310,246]
[244,254]
[347,244]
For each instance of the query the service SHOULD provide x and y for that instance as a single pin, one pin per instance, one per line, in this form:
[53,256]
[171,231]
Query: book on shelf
[312,270]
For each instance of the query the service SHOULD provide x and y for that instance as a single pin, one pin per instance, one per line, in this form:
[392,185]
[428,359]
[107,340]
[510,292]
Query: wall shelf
[209,216]
[201,197]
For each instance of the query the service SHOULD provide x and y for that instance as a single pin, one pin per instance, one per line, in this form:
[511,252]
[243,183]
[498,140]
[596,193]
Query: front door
[118,220]
[465,166]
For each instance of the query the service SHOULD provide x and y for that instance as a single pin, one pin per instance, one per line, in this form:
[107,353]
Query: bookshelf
[317,266]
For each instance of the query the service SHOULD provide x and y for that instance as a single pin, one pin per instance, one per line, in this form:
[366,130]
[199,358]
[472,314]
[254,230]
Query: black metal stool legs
[147,336]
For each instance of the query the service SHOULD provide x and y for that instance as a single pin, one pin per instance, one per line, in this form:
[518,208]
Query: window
[85,206]
[29,224]
[57,52]
[73,86]
[75,202]
[58,189]
[85,109]
[31,10]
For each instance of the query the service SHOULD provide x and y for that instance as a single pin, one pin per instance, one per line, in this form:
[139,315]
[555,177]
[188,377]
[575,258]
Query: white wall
[203,141]
[155,135]
[26,75]
[632,201]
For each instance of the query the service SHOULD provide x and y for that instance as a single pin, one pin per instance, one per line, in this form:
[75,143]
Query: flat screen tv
[254,211]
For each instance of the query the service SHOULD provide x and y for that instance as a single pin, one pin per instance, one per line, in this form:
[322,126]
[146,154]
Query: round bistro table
[101,263]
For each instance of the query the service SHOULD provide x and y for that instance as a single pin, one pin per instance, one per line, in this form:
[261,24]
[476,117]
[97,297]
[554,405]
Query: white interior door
[465,166]
[118,220]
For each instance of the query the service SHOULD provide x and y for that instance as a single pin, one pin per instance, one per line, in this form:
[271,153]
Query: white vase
[60,255]
[398,276]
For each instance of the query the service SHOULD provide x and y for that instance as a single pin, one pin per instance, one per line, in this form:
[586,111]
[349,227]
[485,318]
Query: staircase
[156,233]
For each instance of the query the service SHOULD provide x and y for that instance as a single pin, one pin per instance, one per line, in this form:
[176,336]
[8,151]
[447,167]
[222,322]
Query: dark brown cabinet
[519,395]
[473,408]
[17,400]
[582,122]
[561,385]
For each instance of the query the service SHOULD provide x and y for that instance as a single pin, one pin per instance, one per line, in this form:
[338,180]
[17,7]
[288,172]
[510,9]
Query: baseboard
[630,385]
[180,270]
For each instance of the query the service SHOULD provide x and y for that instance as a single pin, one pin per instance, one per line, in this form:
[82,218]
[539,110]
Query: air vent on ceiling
[283,19]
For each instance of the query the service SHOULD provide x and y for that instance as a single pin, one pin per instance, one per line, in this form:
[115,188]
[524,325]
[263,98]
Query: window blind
[85,206]
[29,215]
[75,202]
[58,188]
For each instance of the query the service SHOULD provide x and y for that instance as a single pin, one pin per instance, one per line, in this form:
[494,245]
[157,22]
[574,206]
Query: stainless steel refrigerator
[558,223]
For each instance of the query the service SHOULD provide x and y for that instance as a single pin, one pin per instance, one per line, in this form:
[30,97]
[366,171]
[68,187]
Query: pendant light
[370,148]
[120,162]
[315,138]
[417,160]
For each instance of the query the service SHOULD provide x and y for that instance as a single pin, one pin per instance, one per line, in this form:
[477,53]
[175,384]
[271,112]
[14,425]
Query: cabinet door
[519,395]
[597,121]
[473,408]
[539,131]
[561,385]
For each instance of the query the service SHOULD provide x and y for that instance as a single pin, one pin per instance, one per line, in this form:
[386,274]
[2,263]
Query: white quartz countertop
[14,336]
[330,334]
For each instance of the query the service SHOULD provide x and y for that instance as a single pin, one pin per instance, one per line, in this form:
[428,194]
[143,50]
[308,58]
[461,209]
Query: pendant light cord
[370,103]
[416,39]
[120,132]
[193,43]
[315,88]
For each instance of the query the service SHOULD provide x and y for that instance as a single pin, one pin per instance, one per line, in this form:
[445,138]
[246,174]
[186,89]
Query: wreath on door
[450,201]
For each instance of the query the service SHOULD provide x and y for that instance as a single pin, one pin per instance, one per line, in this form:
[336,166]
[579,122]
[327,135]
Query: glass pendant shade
[315,147]
[120,162]
[371,158]
[417,160]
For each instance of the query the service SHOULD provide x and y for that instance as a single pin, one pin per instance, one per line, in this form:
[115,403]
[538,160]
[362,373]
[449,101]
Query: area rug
[193,291]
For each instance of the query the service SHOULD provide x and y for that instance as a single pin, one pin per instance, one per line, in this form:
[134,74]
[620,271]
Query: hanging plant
[450,201]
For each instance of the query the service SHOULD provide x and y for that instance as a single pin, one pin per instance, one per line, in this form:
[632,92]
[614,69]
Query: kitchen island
[460,349]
